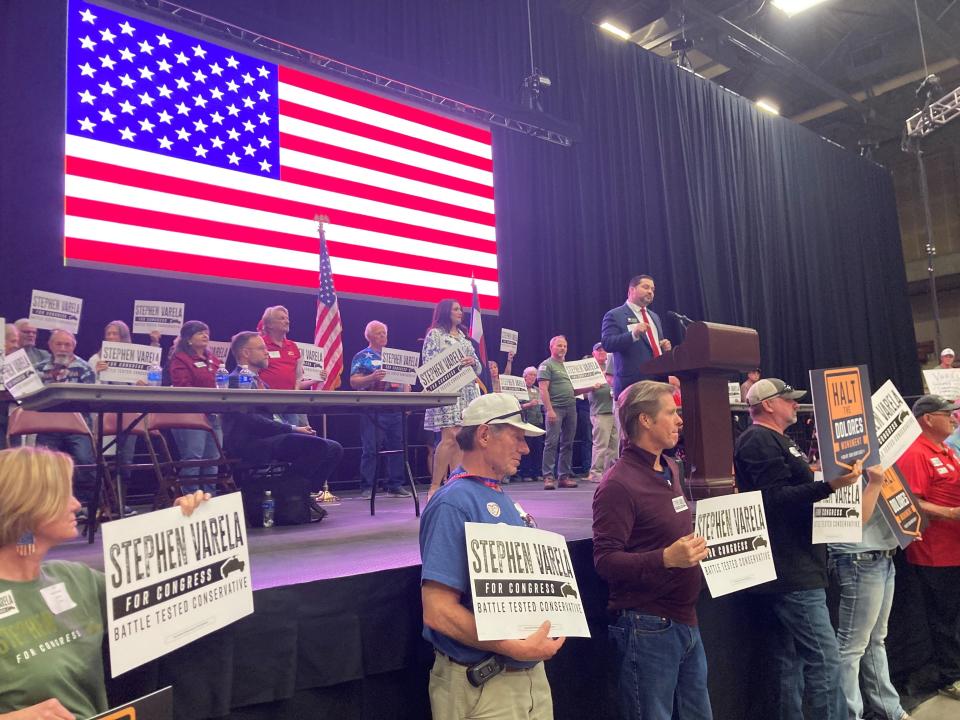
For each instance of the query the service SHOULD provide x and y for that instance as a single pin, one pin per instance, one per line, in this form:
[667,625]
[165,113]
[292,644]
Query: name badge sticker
[57,598]
[275,354]
[679,504]
[200,363]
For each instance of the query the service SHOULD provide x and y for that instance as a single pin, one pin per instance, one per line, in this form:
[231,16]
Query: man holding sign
[511,672]
[645,548]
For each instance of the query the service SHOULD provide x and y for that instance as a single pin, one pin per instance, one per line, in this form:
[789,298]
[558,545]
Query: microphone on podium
[681,318]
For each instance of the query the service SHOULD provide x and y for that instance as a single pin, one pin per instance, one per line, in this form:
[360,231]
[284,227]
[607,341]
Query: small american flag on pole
[328,332]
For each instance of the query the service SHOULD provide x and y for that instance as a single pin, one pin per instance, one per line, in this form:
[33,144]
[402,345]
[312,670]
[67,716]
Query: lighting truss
[935,115]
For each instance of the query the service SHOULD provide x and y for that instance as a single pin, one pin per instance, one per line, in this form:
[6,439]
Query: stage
[337,622]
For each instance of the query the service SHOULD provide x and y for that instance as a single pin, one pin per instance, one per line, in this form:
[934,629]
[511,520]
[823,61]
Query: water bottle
[155,376]
[268,506]
[222,378]
[245,378]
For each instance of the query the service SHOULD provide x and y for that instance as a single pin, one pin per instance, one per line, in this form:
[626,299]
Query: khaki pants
[523,695]
[606,445]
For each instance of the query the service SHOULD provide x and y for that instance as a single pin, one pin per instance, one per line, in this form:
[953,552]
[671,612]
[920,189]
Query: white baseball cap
[498,409]
[947,351]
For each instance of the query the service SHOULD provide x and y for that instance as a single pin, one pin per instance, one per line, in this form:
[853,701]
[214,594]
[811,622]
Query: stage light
[614,30]
[792,7]
[768,106]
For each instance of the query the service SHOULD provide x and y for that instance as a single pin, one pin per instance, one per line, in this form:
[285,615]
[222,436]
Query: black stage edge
[337,622]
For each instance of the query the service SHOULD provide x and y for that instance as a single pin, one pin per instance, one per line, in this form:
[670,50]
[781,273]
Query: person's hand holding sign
[50,709]
[534,647]
[685,552]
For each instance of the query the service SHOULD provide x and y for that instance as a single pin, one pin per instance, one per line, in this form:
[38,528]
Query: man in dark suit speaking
[632,334]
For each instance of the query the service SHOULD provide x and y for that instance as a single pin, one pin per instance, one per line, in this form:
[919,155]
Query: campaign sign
[311,361]
[52,311]
[839,517]
[513,385]
[444,373]
[844,418]
[155,706]
[127,362]
[738,543]
[172,579]
[897,428]
[508,340]
[19,376]
[943,382]
[733,393]
[900,507]
[520,577]
[584,374]
[220,350]
[400,366]
[151,315]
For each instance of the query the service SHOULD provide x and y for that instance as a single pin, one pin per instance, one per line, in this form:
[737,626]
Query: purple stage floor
[351,542]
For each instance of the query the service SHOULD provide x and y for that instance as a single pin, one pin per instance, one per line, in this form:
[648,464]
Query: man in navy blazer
[632,334]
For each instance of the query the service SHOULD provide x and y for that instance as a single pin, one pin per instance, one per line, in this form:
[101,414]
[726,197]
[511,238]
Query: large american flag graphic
[187,157]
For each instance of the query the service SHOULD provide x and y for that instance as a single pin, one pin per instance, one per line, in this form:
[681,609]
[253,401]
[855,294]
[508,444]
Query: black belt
[876,554]
[506,668]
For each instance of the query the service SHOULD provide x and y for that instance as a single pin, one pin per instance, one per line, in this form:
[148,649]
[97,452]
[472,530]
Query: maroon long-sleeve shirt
[637,512]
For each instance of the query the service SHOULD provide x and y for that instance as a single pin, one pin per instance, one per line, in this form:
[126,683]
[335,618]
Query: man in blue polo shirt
[492,440]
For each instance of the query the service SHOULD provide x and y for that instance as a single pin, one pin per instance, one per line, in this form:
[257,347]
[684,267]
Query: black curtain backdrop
[741,217]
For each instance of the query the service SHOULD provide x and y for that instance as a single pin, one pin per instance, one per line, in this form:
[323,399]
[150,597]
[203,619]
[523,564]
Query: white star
[232,86]
[265,141]
[106,116]
[145,99]
[87,125]
[247,79]
[182,84]
[233,134]
[146,73]
[164,116]
[233,110]
[127,134]
[163,65]
[248,126]
[217,118]
[265,166]
[233,62]
[199,76]
[127,54]
[233,158]
[264,119]
[127,81]
[182,109]
[86,97]
[164,91]
[264,95]
[248,149]
[248,102]
[182,59]
[200,150]
[165,142]
[107,89]
[88,16]
[217,142]
[182,134]
[263,72]
[216,94]
[107,36]
[107,62]
[146,47]
[87,44]
[199,101]
[163,40]
[146,125]
[200,126]
[198,51]
[126,28]
[86,70]
[216,69]
[126,107]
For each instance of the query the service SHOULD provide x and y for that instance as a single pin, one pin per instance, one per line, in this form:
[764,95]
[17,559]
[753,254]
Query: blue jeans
[866,594]
[559,442]
[80,449]
[198,445]
[663,669]
[805,656]
[388,429]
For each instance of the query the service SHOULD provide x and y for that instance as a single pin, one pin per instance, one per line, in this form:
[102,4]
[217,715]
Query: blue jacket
[628,353]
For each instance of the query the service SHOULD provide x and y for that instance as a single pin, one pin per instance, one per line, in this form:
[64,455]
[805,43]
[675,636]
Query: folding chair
[169,468]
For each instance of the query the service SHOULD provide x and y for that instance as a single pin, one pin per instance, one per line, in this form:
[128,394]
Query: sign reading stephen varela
[127,362]
[446,372]
[520,577]
[172,579]
[52,311]
[151,315]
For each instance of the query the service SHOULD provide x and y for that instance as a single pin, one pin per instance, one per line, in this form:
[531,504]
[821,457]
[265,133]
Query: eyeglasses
[780,393]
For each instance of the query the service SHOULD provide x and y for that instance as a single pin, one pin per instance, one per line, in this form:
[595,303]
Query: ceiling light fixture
[792,7]
[614,30]
[768,106]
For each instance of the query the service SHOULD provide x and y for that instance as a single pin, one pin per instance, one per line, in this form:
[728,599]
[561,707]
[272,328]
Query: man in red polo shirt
[933,471]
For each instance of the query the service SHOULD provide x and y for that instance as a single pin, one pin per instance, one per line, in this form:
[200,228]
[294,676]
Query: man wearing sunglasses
[805,655]
[933,471]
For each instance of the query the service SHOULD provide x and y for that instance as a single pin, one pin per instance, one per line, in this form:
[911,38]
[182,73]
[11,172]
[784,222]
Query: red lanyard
[492,484]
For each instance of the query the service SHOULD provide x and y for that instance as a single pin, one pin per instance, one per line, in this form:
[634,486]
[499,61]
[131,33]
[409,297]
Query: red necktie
[650,337]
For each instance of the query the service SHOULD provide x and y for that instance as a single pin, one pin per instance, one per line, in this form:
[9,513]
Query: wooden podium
[703,362]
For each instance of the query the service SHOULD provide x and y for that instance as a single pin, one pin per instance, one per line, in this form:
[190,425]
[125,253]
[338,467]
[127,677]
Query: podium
[703,362]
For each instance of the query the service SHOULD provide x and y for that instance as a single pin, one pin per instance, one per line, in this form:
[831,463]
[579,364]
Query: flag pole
[325,496]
